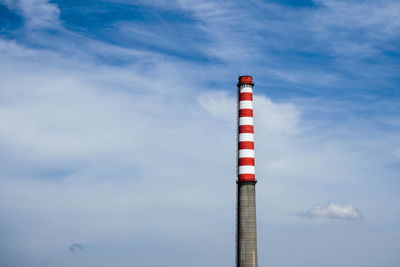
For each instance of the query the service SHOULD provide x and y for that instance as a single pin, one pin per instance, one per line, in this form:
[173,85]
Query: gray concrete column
[246,235]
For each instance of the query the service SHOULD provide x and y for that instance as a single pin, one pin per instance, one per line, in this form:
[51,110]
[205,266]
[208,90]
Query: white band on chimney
[246,169]
[246,89]
[246,104]
[246,153]
[246,137]
[246,121]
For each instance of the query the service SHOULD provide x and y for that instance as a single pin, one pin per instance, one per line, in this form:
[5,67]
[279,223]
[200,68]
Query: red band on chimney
[247,177]
[246,129]
[245,112]
[246,161]
[245,96]
[246,145]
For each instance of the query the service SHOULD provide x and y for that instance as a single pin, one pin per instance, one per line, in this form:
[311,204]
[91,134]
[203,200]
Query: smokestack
[246,232]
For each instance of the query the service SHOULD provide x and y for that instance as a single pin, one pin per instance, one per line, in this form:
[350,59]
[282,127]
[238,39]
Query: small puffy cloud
[76,247]
[332,210]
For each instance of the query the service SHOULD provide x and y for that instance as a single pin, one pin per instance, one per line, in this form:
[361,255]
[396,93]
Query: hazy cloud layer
[332,210]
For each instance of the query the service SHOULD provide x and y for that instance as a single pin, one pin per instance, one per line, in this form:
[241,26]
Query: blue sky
[117,131]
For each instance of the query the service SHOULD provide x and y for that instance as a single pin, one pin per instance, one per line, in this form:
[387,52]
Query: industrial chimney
[246,232]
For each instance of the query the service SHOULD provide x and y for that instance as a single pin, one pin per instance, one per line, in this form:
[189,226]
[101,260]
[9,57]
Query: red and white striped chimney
[246,231]
[245,162]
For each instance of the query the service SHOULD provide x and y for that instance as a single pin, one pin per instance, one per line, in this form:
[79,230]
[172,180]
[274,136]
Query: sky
[117,131]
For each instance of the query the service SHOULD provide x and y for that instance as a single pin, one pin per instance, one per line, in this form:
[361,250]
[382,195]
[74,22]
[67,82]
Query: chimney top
[245,79]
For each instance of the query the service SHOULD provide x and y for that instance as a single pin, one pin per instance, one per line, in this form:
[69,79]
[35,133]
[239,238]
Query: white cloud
[98,152]
[332,210]
[227,27]
[37,13]
[373,22]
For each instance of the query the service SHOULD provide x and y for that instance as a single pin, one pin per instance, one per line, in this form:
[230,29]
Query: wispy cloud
[332,210]
[38,14]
